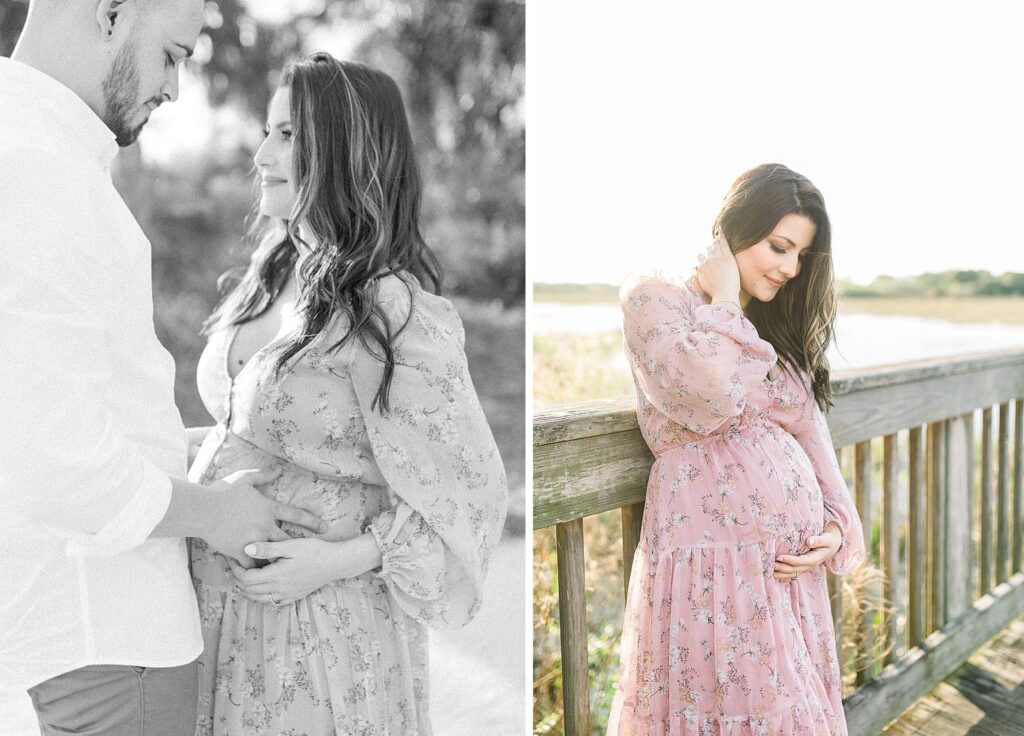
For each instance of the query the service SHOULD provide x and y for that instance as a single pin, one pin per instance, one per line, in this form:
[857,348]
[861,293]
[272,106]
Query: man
[98,619]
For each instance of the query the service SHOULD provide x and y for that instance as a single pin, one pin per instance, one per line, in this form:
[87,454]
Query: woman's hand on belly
[301,566]
[823,547]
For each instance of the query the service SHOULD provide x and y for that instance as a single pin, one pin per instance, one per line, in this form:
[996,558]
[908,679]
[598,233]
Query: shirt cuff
[133,525]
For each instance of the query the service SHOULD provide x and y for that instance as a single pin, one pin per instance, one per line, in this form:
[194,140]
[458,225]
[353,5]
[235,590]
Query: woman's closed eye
[286,133]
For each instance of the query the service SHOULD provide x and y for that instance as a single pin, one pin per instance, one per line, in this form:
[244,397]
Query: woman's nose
[262,156]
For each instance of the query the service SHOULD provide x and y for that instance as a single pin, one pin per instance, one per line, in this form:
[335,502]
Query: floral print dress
[745,470]
[425,479]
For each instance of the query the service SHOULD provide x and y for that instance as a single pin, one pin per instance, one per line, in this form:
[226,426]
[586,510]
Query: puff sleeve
[437,454]
[839,506]
[693,363]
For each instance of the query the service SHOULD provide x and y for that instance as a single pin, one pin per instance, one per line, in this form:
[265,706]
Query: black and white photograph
[262,290]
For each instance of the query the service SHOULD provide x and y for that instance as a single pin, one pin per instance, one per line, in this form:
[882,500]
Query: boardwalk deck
[984,697]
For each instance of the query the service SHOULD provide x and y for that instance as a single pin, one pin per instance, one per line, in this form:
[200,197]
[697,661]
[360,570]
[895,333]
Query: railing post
[1018,481]
[572,618]
[632,524]
[986,500]
[862,480]
[916,543]
[1003,496]
[937,524]
[890,542]
[957,546]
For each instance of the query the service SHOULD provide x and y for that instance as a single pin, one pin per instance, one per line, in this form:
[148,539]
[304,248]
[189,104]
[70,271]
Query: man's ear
[115,17]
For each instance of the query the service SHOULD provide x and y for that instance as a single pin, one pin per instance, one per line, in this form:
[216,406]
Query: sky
[909,117]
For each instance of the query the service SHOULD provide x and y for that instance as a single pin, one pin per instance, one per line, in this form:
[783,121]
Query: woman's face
[274,158]
[767,265]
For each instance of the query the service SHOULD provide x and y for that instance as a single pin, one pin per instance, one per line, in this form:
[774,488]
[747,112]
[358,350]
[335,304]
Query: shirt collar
[73,116]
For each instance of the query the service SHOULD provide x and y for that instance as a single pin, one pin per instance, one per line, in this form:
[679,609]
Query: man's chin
[126,138]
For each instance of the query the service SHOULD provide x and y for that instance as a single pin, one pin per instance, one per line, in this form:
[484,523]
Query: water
[861,340]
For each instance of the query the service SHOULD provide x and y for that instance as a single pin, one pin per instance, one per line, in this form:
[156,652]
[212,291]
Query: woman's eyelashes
[286,133]
[782,251]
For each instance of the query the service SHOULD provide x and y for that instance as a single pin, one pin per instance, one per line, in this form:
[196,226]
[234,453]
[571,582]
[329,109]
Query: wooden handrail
[590,458]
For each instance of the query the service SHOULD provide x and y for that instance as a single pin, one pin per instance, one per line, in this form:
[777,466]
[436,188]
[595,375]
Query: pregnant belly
[346,504]
[757,487]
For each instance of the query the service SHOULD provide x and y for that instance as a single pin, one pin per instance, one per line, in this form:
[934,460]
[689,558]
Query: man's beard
[121,94]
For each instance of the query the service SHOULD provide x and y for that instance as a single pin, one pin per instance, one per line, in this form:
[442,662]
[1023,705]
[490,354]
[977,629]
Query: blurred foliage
[460,65]
[941,284]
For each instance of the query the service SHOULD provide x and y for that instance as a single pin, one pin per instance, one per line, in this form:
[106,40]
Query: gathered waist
[758,424]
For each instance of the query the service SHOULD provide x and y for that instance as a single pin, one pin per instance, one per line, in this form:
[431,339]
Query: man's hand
[244,515]
[823,548]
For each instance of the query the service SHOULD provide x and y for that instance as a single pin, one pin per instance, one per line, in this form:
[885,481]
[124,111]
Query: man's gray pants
[119,700]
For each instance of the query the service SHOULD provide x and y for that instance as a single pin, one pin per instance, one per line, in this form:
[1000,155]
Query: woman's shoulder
[643,287]
[401,296]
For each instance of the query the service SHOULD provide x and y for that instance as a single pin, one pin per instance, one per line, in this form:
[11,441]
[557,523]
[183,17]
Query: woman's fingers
[814,557]
[301,517]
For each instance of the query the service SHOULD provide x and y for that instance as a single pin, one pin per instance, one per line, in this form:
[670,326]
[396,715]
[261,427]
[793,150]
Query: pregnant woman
[728,628]
[331,363]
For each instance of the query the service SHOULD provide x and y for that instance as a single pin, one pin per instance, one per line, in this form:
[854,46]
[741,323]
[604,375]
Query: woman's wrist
[353,557]
[734,300]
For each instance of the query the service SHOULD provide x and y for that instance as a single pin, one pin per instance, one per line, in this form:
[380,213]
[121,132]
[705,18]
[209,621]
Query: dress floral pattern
[425,479]
[744,470]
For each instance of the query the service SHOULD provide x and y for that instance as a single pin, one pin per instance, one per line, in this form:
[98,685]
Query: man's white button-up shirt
[89,432]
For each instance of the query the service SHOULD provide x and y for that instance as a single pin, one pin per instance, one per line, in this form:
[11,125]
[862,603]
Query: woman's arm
[839,508]
[442,471]
[302,566]
[695,364]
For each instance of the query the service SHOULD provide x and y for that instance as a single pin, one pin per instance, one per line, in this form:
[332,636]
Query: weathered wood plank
[986,500]
[936,524]
[1003,495]
[572,621]
[1018,482]
[916,540]
[632,523]
[983,698]
[959,592]
[880,701]
[605,416]
[862,480]
[890,543]
[968,509]
[869,403]
[836,590]
[589,476]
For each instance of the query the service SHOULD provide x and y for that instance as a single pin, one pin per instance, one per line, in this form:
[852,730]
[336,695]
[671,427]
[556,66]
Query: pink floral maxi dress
[425,479]
[744,471]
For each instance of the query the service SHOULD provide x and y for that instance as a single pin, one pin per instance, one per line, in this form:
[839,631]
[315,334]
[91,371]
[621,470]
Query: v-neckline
[229,341]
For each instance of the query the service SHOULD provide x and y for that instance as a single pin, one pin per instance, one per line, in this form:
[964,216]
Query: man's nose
[169,91]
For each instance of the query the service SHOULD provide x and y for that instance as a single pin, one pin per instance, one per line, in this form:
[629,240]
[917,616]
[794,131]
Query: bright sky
[907,116]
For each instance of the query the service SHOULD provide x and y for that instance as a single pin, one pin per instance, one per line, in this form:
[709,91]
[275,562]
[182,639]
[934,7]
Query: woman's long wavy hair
[358,193]
[799,321]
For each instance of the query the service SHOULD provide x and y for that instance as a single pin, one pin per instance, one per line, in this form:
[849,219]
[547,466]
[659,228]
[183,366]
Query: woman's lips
[773,282]
[270,182]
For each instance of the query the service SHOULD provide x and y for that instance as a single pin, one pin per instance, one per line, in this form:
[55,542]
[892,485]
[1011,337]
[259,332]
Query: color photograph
[778,361]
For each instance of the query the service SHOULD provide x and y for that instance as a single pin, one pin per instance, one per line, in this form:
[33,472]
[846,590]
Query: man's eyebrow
[189,50]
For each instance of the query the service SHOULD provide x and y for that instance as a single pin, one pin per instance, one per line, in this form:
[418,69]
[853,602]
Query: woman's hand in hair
[823,547]
[718,273]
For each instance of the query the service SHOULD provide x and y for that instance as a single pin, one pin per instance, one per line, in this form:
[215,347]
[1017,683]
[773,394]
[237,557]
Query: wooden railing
[951,560]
